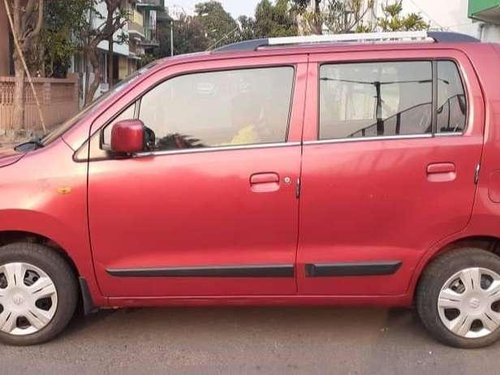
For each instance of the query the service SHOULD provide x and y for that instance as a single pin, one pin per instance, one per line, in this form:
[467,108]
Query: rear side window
[452,104]
[390,99]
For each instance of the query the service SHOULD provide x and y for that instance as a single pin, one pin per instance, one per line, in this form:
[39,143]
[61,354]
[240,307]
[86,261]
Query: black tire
[63,278]
[434,278]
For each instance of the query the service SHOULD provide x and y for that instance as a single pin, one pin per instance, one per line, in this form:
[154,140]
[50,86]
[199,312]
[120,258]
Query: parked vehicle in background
[352,169]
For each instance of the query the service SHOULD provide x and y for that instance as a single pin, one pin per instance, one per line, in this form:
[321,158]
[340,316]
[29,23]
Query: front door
[211,207]
[391,170]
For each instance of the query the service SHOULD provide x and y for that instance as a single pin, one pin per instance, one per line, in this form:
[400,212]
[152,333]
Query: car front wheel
[38,294]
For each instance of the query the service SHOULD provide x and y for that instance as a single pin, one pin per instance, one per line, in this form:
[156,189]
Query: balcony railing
[135,29]
[150,38]
[153,4]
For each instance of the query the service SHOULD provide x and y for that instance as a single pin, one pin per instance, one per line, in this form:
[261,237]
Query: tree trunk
[93,57]
[299,19]
[26,23]
[110,62]
[18,116]
[318,19]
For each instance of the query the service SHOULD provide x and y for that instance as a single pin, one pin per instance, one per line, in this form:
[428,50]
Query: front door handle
[441,172]
[264,182]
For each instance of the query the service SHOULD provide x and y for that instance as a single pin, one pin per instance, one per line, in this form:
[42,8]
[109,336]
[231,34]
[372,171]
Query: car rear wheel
[458,298]
[38,294]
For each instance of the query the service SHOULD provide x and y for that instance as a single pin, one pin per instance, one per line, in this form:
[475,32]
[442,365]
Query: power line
[227,35]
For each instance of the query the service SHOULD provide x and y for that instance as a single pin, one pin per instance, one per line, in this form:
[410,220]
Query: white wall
[449,15]
[491,33]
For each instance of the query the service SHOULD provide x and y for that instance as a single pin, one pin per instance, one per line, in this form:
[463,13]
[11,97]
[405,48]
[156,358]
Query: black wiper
[30,145]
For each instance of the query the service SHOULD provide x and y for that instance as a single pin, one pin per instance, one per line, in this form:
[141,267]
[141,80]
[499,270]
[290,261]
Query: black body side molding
[220,271]
[352,269]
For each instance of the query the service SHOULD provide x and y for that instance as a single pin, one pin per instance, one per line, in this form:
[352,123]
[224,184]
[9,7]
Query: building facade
[131,43]
[487,12]
[143,26]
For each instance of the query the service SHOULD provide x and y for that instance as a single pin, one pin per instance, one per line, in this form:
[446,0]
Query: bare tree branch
[39,22]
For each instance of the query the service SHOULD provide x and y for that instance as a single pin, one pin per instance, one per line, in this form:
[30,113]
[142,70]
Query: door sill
[403,300]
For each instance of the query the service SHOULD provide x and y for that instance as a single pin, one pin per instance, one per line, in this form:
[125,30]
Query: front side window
[217,109]
[390,99]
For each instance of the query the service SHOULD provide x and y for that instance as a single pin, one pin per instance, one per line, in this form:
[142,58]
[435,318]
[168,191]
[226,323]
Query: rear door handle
[441,172]
[264,182]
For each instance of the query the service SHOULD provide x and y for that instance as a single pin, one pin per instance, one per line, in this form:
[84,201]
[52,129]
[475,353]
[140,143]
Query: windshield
[57,132]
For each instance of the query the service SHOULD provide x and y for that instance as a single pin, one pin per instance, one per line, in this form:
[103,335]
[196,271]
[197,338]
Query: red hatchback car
[351,169]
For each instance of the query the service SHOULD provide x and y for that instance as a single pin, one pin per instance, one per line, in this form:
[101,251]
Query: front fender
[72,240]
[45,193]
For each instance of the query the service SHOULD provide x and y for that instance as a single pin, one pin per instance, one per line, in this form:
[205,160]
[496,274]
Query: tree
[189,37]
[394,21]
[218,24]
[347,16]
[246,28]
[271,20]
[62,21]
[337,16]
[114,19]
[27,23]
[309,16]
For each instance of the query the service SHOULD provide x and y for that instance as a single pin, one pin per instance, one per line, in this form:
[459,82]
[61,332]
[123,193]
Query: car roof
[377,37]
[330,44]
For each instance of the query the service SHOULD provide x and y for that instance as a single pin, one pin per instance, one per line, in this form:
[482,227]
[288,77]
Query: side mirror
[127,136]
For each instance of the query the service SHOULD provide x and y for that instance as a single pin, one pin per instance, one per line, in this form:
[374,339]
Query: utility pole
[171,37]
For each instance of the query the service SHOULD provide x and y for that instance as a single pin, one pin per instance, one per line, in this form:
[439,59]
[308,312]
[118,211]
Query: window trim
[434,103]
[137,101]
[368,139]
[434,63]
[214,149]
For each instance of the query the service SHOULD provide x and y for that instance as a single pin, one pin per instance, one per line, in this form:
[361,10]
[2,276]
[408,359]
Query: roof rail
[402,36]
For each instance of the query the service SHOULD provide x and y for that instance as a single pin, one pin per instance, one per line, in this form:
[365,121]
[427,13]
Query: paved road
[249,341]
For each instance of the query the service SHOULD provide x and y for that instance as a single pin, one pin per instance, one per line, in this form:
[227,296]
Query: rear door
[391,147]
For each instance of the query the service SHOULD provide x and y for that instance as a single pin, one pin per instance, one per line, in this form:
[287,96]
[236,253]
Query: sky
[445,14]
[235,7]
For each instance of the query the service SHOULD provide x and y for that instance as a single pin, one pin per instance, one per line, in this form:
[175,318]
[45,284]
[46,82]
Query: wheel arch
[12,236]
[484,242]
[66,234]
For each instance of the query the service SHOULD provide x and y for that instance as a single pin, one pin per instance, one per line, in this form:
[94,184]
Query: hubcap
[469,303]
[28,299]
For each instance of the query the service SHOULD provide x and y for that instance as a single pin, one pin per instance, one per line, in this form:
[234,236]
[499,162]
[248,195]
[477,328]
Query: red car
[351,169]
